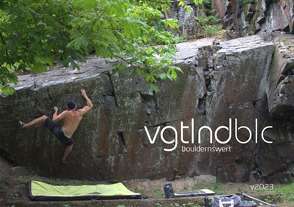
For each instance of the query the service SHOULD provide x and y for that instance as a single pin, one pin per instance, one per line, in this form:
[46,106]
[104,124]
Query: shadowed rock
[234,80]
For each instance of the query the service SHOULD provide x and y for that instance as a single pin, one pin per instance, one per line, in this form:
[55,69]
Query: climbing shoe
[21,124]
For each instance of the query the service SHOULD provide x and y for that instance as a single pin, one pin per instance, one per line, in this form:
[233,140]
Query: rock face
[256,16]
[240,17]
[280,91]
[133,133]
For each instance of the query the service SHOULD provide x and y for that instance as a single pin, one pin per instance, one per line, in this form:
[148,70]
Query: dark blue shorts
[58,133]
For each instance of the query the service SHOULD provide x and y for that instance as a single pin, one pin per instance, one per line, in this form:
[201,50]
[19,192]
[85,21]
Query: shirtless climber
[71,119]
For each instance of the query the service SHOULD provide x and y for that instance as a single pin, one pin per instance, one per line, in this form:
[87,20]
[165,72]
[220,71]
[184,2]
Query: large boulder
[280,96]
[236,92]
[132,132]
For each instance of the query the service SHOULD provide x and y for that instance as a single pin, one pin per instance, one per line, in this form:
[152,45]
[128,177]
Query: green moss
[2,178]
[252,27]
[246,2]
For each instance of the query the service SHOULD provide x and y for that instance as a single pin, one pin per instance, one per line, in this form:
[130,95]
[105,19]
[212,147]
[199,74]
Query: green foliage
[187,7]
[208,20]
[34,35]
[245,2]
[209,26]
[212,30]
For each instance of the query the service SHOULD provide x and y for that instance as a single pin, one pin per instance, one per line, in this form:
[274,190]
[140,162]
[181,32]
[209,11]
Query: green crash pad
[40,191]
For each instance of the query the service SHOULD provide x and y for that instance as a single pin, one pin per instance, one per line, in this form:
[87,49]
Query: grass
[285,193]
[273,193]
[277,193]
[158,193]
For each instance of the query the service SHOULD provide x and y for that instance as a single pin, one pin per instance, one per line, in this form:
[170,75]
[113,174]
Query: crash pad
[41,191]
[200,192]
[169,192]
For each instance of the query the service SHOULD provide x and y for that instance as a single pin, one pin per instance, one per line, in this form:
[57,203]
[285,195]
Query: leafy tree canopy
[36,34]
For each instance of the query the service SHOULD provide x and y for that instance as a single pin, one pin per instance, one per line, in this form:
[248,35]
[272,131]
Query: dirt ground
[14,180]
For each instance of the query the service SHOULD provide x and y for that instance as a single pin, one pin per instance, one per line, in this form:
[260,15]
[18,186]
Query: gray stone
[231,80]
[281,77]
[260,16]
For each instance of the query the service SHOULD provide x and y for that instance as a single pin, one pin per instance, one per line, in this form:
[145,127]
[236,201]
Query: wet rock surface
[131,132]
